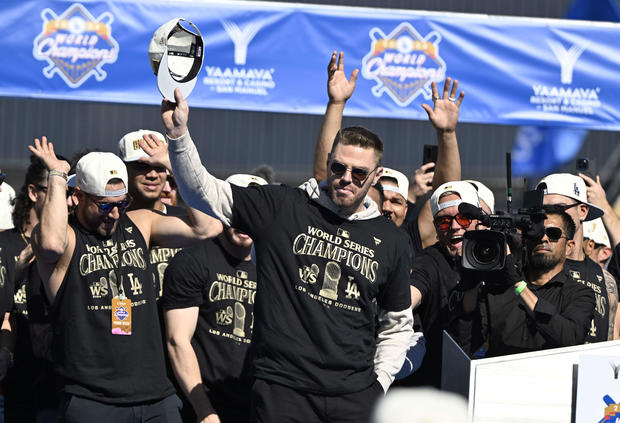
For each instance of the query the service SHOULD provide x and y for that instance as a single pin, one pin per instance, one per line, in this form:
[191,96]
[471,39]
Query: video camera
[485,250]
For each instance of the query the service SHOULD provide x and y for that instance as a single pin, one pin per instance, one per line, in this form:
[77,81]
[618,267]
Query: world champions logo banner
[75,44]
[403,63]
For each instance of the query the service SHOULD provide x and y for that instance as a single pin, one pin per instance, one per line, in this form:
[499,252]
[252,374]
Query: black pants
[272,402]
[75,409]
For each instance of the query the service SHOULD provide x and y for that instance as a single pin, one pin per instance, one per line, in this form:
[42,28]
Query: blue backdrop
[272,57]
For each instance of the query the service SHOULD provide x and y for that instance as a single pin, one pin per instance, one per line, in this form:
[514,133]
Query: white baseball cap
[176,54]
[96,169]
[595,230]
[402,183]
[128,147]
[484,193]
[244,180]
[463,189]
[571,186]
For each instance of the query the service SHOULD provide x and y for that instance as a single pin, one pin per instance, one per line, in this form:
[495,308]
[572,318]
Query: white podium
[538,386]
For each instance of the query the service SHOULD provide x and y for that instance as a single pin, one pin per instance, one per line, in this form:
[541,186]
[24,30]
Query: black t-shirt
[89,360]
[319,276]
[411,227]
[434,275]
[160,256]
[224,289]
[560,318]
[590,274]
[614,264]
[12,242]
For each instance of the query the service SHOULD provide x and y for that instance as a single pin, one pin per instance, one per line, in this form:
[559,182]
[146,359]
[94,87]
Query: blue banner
[272,57]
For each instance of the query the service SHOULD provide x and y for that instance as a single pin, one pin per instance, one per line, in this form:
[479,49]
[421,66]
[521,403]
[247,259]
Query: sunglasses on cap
[554,234]
[357,173]
[107,207]
[445,222]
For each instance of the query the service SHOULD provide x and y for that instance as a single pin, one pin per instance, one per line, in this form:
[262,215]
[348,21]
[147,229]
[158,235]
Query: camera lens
[485,253]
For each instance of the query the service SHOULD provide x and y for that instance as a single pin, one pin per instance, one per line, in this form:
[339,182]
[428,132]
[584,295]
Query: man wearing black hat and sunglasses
[543,306]
[107,347]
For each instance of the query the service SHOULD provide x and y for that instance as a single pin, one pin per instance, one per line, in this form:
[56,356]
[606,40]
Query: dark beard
[542,263]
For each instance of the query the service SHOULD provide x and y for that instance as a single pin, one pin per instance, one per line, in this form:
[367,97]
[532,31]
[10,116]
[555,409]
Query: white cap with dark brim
[571,186]
[129,148]
[402,183]
[466,191]
[484,193]
[176,55]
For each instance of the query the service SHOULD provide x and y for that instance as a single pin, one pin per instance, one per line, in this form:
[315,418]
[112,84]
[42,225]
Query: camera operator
[542,307]
[435,280]
[570,192]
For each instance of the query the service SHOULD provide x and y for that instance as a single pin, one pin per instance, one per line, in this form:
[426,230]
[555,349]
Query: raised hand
[44,150]
[157,151]
[175,115]
[339,88]
[445,113]
[595,191]
[422,181]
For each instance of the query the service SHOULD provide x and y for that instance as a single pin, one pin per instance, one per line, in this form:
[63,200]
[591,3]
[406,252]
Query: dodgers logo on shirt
[121,313]
[403,63]
[75,44]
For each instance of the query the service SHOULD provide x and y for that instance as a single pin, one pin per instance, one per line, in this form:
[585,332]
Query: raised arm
[444,116]
[339,90]
[180,327]
[596,195]
[52,239]
[197,186]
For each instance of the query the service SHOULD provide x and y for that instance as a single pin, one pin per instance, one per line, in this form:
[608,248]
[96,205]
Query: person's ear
[570,247]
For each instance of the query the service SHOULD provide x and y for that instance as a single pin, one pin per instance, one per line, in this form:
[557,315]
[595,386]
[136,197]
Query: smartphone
[429,154]
[586,166]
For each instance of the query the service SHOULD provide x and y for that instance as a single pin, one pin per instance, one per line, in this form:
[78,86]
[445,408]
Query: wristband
[58,173]
[520,287]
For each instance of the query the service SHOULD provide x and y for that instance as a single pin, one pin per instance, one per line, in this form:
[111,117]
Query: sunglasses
[107,207]
[554,234]
[445,222]
[357,173]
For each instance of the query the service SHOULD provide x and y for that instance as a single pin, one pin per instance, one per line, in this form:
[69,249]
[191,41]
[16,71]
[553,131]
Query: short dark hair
[360,136]
[569,228]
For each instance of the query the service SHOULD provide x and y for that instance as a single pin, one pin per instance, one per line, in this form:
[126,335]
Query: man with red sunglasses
[107,347]
[435,278]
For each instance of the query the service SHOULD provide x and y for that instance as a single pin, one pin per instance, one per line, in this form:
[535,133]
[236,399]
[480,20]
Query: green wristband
[520,287]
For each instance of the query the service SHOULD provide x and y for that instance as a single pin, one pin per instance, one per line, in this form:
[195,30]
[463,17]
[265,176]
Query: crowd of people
[136,286]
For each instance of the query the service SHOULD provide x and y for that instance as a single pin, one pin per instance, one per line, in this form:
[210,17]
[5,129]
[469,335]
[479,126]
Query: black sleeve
[396,293]
[184,279]
[423,275]
[614,266]
[568,327]
[7,287]
[256,207]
